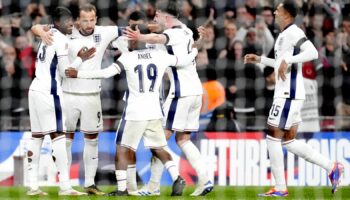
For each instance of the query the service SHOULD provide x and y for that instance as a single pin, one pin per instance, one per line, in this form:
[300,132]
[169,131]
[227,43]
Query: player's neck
[174,23]
[286,23]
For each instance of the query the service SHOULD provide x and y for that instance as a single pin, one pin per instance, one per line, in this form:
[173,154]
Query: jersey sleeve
[110,71]
[173,36]
[112,32]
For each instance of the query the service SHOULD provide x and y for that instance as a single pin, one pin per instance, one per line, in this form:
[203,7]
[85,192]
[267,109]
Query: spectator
[343,107]
[13,93]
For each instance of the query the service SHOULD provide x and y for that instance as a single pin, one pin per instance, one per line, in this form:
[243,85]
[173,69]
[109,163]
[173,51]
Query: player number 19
[151,75]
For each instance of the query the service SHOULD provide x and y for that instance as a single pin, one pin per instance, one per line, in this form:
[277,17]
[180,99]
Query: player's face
[161,18]
[66,25]
[87,21]
[279,14]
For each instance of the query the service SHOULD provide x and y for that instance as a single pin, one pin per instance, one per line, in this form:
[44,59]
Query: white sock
[156,174]
[194,157]
[90,160]
[121,179]
[59,154]
[172,169]
[309,154]
[131,178]
[274,147]
[33,162]
[69,152]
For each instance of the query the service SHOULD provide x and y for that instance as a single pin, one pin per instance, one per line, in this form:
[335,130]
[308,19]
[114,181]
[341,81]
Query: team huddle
[67,87]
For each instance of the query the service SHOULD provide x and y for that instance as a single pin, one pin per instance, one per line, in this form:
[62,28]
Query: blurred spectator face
[238,50]
[210,34]
[346,26]
[251,3]
[87,21]
[241,12]
[251,36]
[268,16]
[317,21]
[6,29]
[21,42]
[186,9]
[230,30]
[9,54]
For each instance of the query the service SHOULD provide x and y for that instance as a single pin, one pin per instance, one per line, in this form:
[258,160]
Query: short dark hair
[59,13]
[291,7]
[169,7]
[137,15]
[143,28]
[87,8]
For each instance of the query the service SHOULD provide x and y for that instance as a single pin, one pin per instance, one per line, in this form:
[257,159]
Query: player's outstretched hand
[282,70]
[71,72]
[131,34]
[251,58]
[86,53]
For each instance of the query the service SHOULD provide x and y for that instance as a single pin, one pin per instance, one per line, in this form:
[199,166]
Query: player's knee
[91,136]
[181,138]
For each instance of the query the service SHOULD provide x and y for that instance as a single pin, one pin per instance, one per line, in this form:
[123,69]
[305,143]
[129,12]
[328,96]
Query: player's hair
[143,28]
[87,8]
[170,7]
[137,15]
[59,13]
[291,7]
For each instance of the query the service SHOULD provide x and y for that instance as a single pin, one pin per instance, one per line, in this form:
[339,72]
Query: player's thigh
[285,113]
[129,133]
[176,114]
[91,114]
[154,136]
[192,122]
[45,113]
[71,110]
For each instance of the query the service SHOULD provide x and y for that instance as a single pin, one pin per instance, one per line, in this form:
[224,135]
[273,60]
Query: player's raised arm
[151,38]
[43,31]
[110,71]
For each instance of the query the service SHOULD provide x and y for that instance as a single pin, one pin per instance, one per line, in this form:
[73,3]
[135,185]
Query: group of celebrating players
[67,88]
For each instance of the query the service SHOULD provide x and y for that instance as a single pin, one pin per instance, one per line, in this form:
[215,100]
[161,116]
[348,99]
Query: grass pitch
[220,193]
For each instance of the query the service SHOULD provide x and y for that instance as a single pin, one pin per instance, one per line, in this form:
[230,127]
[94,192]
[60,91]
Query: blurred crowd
[235,28]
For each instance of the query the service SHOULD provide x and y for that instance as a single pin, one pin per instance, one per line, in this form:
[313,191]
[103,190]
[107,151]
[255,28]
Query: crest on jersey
[280,42]
[97,38]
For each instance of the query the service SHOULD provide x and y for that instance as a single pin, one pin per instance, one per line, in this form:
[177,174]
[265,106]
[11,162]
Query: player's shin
[309,154]
[90,160]
[59,155]
[274,147]
[69,151]
[33,162]
[131,178]
[194,157]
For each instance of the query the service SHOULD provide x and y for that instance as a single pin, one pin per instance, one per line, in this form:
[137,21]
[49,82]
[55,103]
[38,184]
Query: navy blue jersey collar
[288,26]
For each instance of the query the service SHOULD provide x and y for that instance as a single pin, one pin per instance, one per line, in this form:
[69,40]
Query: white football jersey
[100,39]
[288,44]
[144,72]
[47,67]
[184,80]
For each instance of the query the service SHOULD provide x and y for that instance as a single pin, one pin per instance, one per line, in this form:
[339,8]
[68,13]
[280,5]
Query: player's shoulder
[58,36]
[294,30]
